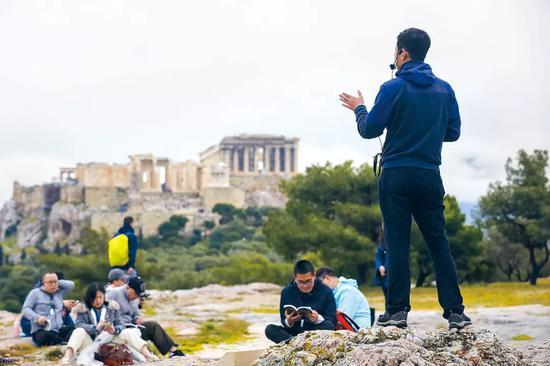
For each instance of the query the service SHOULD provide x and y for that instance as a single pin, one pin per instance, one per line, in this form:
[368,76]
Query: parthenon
[234,156]
[243,170]
[255,154]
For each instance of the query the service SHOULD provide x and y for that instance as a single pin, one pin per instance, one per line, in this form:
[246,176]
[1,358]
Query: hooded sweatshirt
[419,112]
[319,299]
[132,245]
[352,302]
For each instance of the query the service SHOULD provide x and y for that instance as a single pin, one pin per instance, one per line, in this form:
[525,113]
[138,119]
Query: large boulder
[393,346]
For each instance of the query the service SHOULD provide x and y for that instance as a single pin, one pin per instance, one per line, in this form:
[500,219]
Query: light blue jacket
[352,302]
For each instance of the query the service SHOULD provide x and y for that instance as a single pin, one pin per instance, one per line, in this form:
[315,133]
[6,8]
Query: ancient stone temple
[243,170]
[251,155]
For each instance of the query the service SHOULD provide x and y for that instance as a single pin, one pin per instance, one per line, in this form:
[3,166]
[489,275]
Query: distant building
[243,170]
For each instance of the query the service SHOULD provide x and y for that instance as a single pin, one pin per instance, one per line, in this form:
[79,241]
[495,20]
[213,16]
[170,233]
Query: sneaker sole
[395,323]
[460,325]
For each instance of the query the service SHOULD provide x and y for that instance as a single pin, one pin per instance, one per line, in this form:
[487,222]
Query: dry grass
[500,294]
[18,350]
[212,333]
[259,310]
[522,337]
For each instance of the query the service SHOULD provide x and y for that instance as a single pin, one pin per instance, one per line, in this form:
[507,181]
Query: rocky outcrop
[10,215]
[393,346]
[266,198]
[31,230]
[65,223]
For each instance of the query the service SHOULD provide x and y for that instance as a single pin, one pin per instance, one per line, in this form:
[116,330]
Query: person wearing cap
[130,316]
[117,278]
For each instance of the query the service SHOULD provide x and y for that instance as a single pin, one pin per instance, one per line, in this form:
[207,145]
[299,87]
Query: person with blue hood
[419,112]
[349,300]
[128,230]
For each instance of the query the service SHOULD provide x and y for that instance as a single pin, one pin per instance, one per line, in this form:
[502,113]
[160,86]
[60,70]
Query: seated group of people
[113,310]
[311,300]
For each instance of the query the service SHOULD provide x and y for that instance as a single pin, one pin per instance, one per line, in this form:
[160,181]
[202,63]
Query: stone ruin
[243,170]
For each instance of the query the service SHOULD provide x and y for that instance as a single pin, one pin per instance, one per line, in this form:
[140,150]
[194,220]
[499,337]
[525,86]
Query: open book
[302,310]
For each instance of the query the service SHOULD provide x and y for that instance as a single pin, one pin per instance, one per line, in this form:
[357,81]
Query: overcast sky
[84,81]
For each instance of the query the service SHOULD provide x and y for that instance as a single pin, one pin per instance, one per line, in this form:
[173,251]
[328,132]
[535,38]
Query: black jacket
[319,299]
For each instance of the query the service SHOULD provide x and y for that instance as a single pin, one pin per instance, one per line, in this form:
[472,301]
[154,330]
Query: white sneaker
[67,360]
[153,358]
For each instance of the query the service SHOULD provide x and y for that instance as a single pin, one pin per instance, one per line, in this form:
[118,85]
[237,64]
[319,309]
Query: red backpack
[344,322]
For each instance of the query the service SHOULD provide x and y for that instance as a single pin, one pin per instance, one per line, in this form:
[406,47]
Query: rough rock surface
[65,223]
[9,217]
[537,353]
[31,230]
[393,346]
[266,198]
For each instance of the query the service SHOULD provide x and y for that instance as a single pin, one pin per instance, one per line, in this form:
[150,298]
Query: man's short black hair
[415,41]
[324,271]
[128,220]
[303,266]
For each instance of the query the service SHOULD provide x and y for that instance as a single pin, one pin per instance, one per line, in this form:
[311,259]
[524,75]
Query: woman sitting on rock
[96,316]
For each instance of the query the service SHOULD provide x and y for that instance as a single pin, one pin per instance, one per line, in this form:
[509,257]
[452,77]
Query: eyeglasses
[304,283]
[53,282]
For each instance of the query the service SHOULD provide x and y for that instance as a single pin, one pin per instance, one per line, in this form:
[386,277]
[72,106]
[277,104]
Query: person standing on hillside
[131,243]
[419,112]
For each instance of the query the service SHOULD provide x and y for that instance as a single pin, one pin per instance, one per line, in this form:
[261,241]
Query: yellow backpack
[118,251]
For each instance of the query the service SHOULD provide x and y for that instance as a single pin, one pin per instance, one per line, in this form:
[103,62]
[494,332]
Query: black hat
[138,285]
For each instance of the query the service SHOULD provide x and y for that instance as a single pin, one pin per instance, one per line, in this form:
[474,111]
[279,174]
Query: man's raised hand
[351,102]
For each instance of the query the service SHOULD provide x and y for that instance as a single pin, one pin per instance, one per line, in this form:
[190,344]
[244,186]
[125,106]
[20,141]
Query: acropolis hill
[243,170]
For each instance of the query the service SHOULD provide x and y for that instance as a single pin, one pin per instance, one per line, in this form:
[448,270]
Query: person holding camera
[419,112]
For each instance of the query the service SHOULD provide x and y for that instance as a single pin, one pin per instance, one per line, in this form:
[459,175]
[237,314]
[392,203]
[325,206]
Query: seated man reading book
[306,304]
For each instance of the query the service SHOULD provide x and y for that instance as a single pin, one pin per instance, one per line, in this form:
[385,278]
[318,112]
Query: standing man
[419,112]
[132,244]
